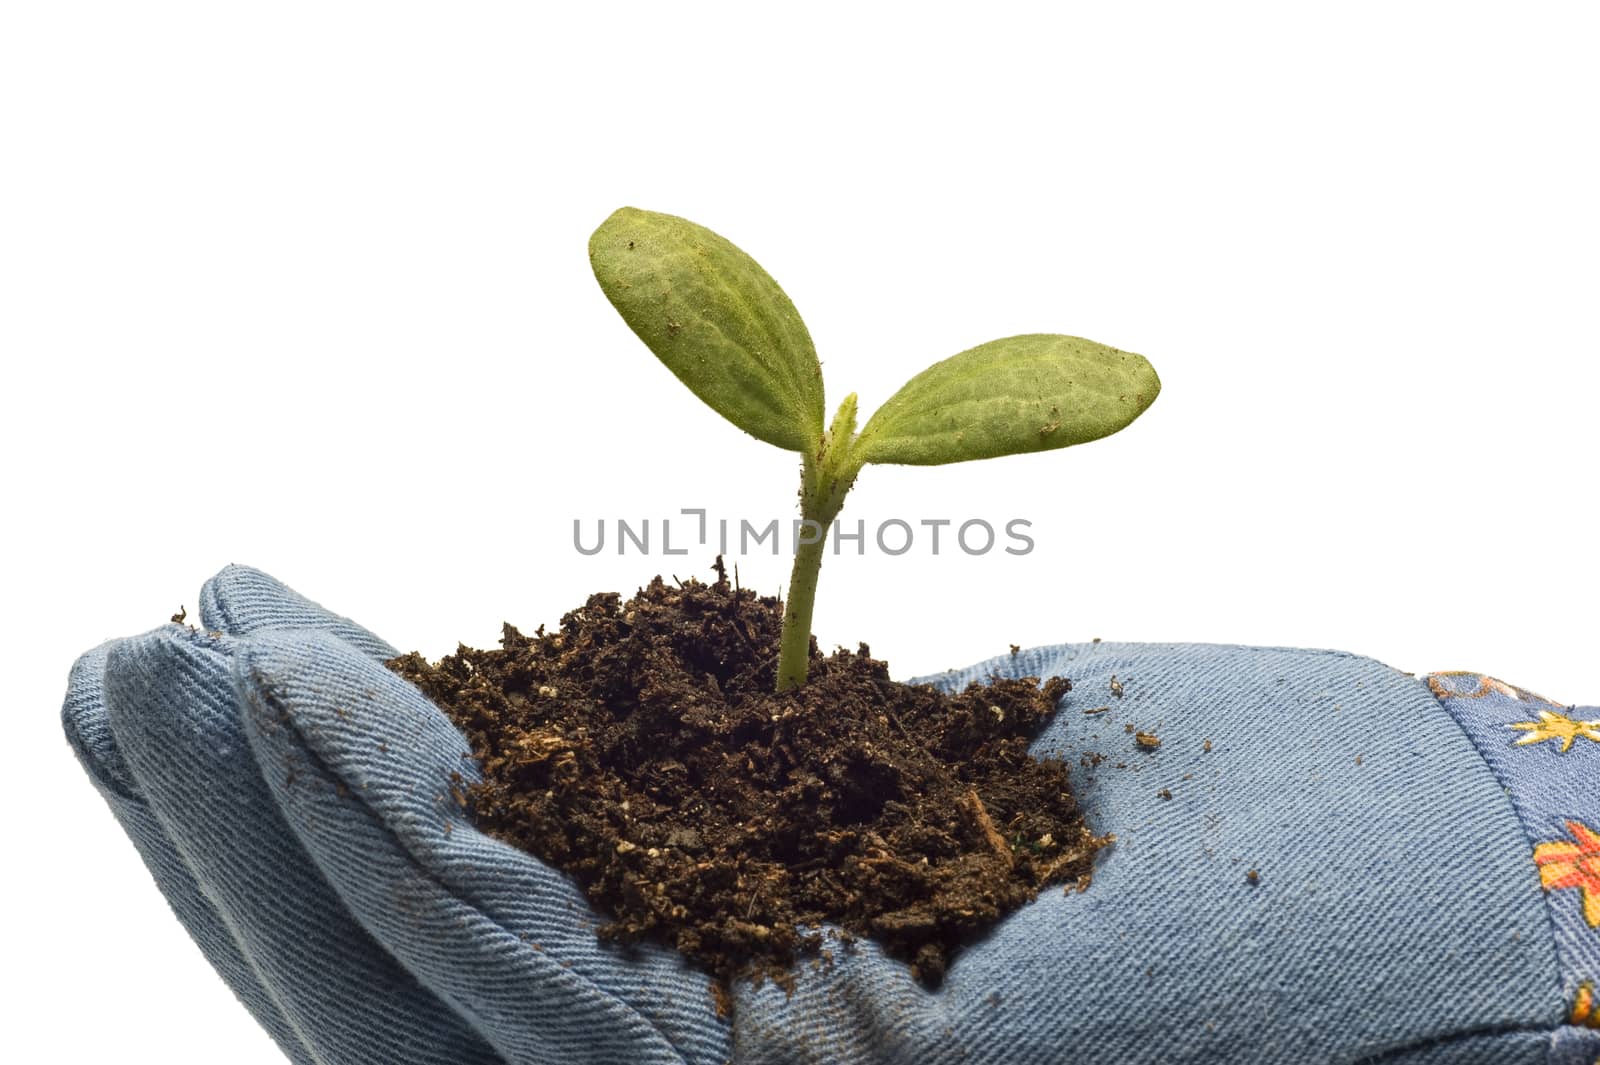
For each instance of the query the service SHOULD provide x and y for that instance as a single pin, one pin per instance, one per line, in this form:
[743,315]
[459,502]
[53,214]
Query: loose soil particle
[641,749]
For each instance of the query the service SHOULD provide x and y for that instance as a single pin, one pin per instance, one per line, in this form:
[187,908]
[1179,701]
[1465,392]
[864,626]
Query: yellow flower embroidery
[1565,864]
[1554,726]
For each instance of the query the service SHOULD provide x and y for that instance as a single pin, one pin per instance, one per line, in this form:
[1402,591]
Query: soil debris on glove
[641,749]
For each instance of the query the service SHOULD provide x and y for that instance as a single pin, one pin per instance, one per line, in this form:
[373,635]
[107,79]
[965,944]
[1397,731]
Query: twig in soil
[980,817]
[890,714]
[738,627]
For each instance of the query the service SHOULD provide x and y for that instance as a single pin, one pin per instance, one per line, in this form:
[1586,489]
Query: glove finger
[88,728]
[173,713]
[364,767]
[240,600]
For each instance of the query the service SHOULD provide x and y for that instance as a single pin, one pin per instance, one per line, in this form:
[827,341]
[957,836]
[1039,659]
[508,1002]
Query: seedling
[724,327]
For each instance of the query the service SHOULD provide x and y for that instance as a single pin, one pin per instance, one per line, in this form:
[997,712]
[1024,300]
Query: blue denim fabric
[292,799]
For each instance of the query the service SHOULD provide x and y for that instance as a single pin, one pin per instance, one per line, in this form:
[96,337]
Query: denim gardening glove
[1353,865]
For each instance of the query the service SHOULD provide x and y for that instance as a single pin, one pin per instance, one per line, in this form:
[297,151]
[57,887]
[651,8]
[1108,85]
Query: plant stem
[824,481]
[794,654]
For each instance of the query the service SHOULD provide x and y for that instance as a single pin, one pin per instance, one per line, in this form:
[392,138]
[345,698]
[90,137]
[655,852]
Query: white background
[278,282]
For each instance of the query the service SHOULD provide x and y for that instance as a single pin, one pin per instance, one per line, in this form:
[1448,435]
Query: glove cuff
[1547,758]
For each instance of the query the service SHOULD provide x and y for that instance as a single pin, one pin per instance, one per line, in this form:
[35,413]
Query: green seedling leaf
[1025,393]
[716,319]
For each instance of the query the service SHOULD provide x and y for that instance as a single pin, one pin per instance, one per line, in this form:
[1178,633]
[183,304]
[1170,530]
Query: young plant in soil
[724,327]
[708,782]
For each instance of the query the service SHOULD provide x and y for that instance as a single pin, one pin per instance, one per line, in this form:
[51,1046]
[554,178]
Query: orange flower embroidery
[1564,864]
[1584,1010]
[1485,686]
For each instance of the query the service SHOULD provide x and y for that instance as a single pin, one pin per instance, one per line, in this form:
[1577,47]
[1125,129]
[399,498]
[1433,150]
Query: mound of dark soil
[642,749]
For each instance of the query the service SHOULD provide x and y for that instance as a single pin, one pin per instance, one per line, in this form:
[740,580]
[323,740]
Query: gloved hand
[1353,865]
